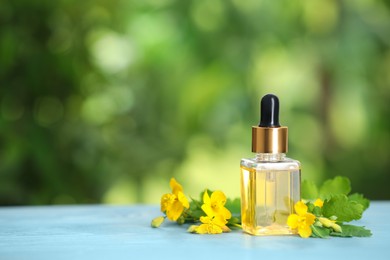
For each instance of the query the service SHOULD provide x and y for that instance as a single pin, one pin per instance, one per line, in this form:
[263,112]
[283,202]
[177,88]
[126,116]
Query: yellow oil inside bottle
[267,199]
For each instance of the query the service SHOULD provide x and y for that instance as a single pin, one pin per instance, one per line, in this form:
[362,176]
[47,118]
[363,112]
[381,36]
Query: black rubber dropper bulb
[269,111]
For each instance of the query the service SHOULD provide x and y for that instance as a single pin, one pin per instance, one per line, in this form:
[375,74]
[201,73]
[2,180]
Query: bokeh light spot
[208,15]
[348,119]
[121,192]
[321,16]
[112,52]
[101,107]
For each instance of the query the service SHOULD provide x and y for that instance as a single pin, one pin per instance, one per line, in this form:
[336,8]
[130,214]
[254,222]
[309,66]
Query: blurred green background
[102,101]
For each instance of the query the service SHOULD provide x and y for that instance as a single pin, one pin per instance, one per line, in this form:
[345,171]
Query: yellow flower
[318,203]
[302,220]
[173,204]
[217,215]
[211,225]
[215,205]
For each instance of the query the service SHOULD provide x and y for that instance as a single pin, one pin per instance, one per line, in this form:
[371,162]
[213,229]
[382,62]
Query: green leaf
[317,211]
[359,198]
[340,206]
[195,211]
[234,223]
[234,220]
[337,185]
[310,207]
[320,232]
[195,204]
[309,190]
[196,214]
[352,231]
[234,206]
[202,193]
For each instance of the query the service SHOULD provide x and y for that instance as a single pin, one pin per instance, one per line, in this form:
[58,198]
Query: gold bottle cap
[269,139]
[269,136]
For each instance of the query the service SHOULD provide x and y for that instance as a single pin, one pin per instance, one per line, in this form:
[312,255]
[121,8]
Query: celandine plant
[322,213]
[327,215]
[212,213]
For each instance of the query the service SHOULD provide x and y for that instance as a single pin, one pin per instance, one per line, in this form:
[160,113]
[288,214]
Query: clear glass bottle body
[270,186]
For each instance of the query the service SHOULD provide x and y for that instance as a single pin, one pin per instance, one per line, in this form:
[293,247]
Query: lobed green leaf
[337,185]
[309,190]
[317,211]
[234,206]
[359,198]
[340,206]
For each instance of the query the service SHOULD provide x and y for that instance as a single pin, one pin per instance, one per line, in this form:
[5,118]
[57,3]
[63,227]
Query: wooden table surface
[124,232]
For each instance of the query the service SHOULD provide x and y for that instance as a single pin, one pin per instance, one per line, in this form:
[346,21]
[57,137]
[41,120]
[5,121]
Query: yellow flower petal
[225,213]
[300,208]
[166,200]
[208,210]
[292,221]
[218,198]
[182,198]
[205,219]
[202,229]
[175,186]
[310,218]
[214,229]
[206,198]
[318,203]
[212,225]
[174,210]
[304,231]
[219,220]
[208,229]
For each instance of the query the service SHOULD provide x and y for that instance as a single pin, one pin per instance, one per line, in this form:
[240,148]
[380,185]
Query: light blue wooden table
[112,232]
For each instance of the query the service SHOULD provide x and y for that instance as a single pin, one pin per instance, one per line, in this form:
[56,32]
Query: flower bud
[326,222]
[330,223]
[337,228]
[180,220]
[192,229]
[157,221]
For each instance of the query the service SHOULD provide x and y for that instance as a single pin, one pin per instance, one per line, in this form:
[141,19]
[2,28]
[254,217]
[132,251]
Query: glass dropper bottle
[270,182]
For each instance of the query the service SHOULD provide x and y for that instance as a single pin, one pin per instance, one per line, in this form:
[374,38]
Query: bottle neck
[270,157]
